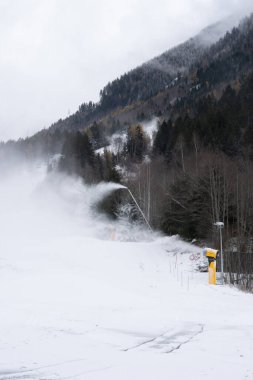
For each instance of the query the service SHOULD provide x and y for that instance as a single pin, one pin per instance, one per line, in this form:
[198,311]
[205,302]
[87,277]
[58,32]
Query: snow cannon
[211,255]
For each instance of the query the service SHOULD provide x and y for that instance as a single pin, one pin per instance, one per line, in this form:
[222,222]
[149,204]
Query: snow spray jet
[135,201]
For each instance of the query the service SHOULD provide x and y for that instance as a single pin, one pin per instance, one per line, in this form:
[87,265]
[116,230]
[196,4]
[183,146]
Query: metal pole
[220,225]
[221,257]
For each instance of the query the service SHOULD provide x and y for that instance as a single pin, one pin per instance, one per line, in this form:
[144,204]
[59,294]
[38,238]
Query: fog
[37,206]
[56,54]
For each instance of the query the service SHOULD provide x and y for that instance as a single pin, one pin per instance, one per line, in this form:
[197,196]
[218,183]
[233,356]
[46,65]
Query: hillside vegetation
[197,167]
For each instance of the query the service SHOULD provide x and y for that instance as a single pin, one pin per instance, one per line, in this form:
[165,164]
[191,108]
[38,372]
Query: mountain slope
[204,71]
[146,81]
[199,168]
[77,305]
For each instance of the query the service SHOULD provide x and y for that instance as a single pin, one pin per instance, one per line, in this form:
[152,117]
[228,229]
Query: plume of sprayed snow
[36,206]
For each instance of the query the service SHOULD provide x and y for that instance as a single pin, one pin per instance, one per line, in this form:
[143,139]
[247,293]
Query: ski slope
[76,304]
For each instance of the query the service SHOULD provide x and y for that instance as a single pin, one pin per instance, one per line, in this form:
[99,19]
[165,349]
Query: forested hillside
[147,80]
[126,229]
[196,166]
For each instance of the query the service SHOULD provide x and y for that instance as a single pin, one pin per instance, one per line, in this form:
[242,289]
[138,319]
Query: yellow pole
[212,273]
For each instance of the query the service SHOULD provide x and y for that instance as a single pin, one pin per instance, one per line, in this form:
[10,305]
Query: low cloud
[56,54]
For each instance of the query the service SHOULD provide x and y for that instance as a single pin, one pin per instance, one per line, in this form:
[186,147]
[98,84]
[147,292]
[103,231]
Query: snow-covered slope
[80,301]
[118,140]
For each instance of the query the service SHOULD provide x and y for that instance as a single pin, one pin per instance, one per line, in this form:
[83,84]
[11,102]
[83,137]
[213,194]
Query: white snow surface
[76,304]
[116,144]
[118,140]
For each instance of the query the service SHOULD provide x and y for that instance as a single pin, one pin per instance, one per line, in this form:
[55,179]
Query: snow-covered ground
[80,301]
[116,144]
[118,140]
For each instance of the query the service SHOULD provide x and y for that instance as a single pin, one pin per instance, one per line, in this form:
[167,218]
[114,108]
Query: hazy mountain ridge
[194,167]
[147,80]
[181,57]
[151,89]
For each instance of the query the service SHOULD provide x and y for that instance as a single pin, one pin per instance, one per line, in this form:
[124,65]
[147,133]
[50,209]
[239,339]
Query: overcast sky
[57,54]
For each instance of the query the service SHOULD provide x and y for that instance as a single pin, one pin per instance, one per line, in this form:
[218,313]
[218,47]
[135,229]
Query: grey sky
[56,54]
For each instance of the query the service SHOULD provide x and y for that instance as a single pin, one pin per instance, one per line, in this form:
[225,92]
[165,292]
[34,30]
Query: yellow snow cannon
[211,255]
